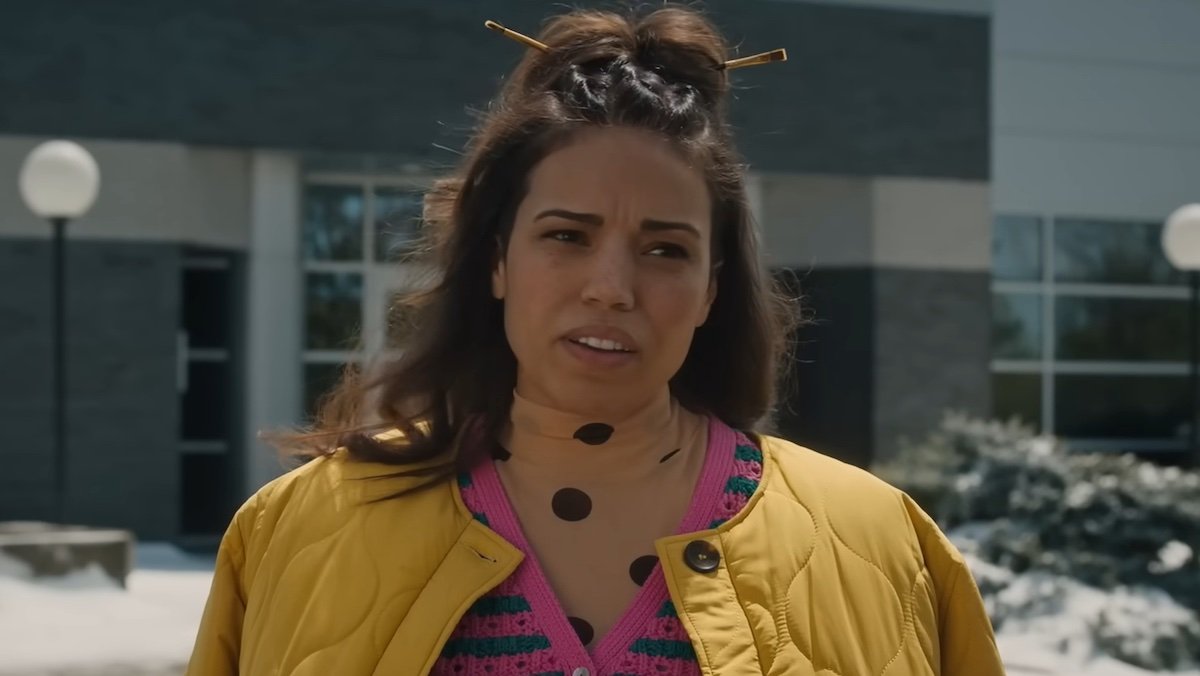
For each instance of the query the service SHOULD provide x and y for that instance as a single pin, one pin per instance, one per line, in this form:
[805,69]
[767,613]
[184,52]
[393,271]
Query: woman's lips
[592,357]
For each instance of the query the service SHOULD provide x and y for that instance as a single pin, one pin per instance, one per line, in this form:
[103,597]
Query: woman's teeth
[598,344]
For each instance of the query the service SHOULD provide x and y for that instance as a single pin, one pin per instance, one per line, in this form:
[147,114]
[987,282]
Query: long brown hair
[659,72]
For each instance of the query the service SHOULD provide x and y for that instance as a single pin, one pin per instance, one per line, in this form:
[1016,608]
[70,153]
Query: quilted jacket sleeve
[968,645]
[218,644]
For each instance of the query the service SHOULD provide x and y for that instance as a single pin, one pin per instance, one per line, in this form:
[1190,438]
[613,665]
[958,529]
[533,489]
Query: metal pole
[1194,347]
[60,372]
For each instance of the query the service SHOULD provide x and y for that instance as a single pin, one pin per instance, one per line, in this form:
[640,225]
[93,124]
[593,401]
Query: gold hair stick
[513,35]
[756,60]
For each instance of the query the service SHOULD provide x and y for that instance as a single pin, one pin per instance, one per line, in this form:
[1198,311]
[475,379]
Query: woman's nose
[610,279]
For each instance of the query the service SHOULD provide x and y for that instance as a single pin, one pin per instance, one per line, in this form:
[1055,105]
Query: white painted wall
[812,221]
[932,224]
[1096,106]
[815,221]
[148,191]
[274,311]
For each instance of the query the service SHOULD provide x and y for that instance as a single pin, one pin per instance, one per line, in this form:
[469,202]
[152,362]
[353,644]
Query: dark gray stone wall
[867,91]
[932,351]
[122,404]
[887,354]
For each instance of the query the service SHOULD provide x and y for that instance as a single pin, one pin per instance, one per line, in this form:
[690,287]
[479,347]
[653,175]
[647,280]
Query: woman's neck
[543,436]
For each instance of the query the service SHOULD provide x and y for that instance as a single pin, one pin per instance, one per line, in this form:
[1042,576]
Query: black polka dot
[594,434]
[583,629]
[640,569]
[669,455]
[500,453]
[571,504]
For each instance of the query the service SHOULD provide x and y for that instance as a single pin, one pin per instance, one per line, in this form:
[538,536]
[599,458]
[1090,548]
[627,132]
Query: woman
[572,483]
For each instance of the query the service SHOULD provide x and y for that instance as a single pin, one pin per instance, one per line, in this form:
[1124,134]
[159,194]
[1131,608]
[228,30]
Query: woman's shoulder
[803,470]
[330,491]
[855,502]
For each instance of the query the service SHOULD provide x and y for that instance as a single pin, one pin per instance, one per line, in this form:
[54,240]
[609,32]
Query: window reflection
[1017,248]
[1017,326]
[333,223]
[1127,407]
[333,309]
[1018,395]
[319,380]
[1121,329]
[1111,252]
[397,222]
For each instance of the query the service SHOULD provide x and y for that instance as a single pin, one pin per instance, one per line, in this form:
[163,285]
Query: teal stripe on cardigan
[680,650]
[748,453]
[465,480]
[667,610]
[481,518]
[500,605]
[500,646]
[741,485]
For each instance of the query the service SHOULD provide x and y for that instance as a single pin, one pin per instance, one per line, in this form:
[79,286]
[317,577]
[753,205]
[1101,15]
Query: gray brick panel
[889,353]
[122,409]
[933,345]
[867,91]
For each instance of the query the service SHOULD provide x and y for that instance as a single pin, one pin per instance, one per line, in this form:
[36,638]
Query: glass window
[1111,252]
[1016,326]
[206,403]
[1018,395]
[1121,329]
[1017,248]
[319,379]
[333,223]
[206,307]
[209,500]
[397,222]
[333,309]
[1118,406]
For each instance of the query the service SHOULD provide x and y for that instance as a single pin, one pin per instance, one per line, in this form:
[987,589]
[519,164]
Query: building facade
[262,167]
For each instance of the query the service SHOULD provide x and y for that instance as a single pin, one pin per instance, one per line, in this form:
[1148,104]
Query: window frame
[380,279]
[1049,365]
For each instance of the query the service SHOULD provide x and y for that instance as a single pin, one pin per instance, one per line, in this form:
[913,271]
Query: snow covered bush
[1036,518]
[1148,629]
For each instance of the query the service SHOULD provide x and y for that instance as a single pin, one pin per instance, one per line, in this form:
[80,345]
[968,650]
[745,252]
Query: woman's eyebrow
[649,225]
[652,225]
[589,219]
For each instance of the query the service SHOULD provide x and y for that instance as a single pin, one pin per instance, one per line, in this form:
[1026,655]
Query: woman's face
[607,272]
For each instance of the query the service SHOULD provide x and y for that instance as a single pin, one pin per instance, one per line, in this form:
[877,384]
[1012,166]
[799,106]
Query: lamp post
[59,181]
[1181,242]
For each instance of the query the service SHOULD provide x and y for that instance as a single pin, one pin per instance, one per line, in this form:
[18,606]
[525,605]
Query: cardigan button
[701,556]
[581,671]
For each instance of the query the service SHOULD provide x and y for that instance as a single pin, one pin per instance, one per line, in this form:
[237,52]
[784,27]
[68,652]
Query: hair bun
[674,53]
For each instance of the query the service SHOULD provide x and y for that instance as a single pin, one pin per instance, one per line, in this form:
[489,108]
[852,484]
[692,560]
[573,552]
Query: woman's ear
[499,278]
[712,295]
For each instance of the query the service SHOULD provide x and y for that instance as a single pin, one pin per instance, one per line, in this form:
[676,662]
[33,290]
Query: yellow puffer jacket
[827,571]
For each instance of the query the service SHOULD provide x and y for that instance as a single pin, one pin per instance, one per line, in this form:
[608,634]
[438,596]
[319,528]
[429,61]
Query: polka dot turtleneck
[605,507]
[592,496]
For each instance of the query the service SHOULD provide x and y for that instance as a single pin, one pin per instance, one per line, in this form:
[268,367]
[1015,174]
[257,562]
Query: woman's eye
[568,236]
[669,251]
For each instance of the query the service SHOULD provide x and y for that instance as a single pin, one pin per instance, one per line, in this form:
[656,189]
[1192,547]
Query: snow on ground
[86,625]
[1027,655]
